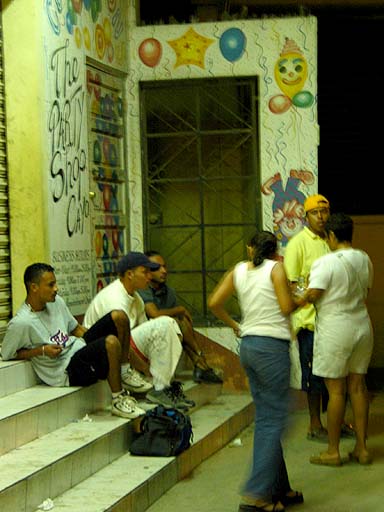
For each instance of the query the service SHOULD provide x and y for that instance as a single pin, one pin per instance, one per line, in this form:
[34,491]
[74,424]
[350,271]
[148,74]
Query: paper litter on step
[46,505]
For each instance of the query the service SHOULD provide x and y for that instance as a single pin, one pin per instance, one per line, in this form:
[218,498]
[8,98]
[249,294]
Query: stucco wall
[46,83]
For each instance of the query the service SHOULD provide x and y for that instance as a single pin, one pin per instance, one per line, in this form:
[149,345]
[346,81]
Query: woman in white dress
[343,342]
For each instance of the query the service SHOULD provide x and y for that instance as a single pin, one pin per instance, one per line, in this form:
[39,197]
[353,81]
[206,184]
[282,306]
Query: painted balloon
[106,145]
[105,244]
[68,22]
[107,196]
[291,71]
[96,152]
[115,239]
[112,155]
[121,241]
[78,37]
[279,104]
[87,38]
[303,99]
[150,52]
[232,44]
[98,243]
[77,5]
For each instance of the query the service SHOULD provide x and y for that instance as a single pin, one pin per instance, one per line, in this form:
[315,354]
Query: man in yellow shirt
[301,251]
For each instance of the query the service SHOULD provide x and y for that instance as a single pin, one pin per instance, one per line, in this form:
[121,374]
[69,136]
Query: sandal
[319,434]
[324,460]
[295,498]
[255,508]
[364,459]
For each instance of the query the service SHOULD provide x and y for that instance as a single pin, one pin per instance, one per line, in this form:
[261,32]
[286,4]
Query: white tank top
[261,314]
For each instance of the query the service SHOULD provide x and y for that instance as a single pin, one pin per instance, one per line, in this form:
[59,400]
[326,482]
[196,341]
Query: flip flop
[323,461]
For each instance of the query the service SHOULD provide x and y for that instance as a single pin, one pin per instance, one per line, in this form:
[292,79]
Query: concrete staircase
[62,447]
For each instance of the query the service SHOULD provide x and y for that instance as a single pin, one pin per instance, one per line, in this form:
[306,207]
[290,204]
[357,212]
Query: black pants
[90,363]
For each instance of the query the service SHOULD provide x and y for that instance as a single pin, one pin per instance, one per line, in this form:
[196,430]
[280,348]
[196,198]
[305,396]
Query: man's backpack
[164,432]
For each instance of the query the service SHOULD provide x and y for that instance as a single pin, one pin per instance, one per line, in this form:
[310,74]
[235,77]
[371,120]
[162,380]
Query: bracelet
[43,350]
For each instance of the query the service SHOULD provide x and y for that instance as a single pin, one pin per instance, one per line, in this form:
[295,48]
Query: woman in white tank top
[265,301]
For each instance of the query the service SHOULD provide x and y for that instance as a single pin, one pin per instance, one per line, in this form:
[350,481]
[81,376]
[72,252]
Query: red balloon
[279,104]
[107,196]
[115,239]
[150,52]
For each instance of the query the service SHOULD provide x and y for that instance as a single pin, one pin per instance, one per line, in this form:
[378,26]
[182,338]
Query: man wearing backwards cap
[156,342]
[301,251]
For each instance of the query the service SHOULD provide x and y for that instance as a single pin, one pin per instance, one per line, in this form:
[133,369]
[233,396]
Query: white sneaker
[133,381]
[126,406]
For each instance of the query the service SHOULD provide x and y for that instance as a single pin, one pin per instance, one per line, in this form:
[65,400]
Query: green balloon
[303,99]
[94,10]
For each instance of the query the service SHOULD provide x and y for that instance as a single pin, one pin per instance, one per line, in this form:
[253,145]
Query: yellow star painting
[190,48]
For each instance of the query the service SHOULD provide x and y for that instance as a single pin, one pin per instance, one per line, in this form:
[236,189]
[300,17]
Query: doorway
[201,180]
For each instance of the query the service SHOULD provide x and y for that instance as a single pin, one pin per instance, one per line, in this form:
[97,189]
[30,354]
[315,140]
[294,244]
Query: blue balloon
[68,22]
[232,44]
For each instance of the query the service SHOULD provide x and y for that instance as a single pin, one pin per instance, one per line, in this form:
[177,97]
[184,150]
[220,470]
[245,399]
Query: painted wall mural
[287,206]
[84,158]
[96,27]
[108,175]
[291,71]
[283,54]
[280,52]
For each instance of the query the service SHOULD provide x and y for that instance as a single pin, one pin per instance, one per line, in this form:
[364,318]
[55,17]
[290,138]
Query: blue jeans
[267,364]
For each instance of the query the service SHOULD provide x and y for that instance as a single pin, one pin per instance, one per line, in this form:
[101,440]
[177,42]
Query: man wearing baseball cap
[316,201]
[301,251]
[156,343]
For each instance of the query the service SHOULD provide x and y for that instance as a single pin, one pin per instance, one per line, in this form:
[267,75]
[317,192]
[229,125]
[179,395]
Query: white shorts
[342,347]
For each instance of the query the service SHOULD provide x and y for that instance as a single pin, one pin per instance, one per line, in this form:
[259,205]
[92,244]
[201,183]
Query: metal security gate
[5,267]
[200,180]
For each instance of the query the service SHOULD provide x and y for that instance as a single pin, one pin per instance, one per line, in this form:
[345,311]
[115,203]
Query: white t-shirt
[115,296]
[261,314]
[343,340]
[31,329]
[346,276]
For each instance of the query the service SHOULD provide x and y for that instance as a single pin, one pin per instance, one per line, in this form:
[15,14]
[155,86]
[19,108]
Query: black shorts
[90,363]
[101,329]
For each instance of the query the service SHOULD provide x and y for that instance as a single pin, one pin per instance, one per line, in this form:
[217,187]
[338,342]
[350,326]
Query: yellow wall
[24,98]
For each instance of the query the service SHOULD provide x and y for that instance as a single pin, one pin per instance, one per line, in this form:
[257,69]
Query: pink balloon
[150,52]
[279,104]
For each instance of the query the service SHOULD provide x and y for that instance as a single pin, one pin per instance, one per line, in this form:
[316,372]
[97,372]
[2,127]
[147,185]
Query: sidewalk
[214,485]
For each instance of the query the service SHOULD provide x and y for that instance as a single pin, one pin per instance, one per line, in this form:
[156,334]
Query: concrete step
[64,444]
[16,376]
[48,446]
[132,483]
[38,410]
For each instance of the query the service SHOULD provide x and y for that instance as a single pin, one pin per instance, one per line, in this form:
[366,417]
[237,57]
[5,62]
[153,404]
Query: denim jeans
[267,364]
